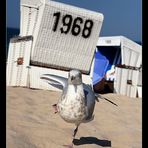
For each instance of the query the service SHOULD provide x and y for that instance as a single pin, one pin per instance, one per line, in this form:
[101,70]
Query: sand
[31,122]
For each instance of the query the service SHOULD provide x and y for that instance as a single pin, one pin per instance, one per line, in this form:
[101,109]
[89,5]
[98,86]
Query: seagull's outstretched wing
[56,81]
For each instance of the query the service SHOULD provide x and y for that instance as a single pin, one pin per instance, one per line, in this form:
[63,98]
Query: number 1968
[73,24]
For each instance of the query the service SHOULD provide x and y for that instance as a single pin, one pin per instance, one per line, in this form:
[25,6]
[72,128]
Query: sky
[121,17]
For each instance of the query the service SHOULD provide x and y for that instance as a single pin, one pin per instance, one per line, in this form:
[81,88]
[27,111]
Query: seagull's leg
[75,131]
[74,134]
[55,108]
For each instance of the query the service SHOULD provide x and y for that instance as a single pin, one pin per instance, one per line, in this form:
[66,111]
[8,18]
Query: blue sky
[121,17]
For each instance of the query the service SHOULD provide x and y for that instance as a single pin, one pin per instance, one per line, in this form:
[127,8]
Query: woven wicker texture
[65,50]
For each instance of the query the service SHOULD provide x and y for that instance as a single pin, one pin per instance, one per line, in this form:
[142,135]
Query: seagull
[77,102]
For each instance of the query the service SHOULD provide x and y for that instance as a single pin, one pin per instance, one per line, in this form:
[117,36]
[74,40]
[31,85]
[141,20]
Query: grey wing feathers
[56,81]
[90,102]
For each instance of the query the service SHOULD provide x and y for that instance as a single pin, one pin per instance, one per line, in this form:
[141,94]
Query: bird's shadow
[92,140]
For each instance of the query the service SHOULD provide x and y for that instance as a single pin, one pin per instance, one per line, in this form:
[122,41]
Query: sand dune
[31,122]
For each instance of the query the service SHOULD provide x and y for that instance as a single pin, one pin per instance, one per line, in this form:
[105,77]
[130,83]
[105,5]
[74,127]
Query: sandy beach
[31,122]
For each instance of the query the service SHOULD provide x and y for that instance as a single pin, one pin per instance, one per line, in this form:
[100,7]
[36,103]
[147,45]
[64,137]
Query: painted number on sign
[73,25]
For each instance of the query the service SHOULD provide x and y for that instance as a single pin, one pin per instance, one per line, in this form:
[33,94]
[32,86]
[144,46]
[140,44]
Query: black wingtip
[110,101]
[101,97]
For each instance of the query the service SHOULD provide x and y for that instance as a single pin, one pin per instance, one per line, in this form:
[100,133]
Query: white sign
[67,37]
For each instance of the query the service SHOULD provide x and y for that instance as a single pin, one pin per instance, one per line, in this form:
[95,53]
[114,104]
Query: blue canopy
[100,67]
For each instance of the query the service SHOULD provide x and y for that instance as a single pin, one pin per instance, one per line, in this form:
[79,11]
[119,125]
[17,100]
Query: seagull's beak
[72,78]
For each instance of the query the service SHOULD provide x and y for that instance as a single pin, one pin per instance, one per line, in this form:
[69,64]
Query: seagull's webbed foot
[55,108]
[74,134]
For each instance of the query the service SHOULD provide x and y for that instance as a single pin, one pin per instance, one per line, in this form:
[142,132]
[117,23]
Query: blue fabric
[100,67]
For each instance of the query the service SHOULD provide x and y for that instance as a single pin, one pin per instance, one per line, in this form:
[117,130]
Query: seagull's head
[75,77]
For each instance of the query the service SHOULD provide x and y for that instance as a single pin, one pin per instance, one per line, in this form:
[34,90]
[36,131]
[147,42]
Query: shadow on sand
[92,140]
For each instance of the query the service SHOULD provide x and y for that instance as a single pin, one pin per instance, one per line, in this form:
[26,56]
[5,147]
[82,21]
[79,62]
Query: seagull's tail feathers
[96,98]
